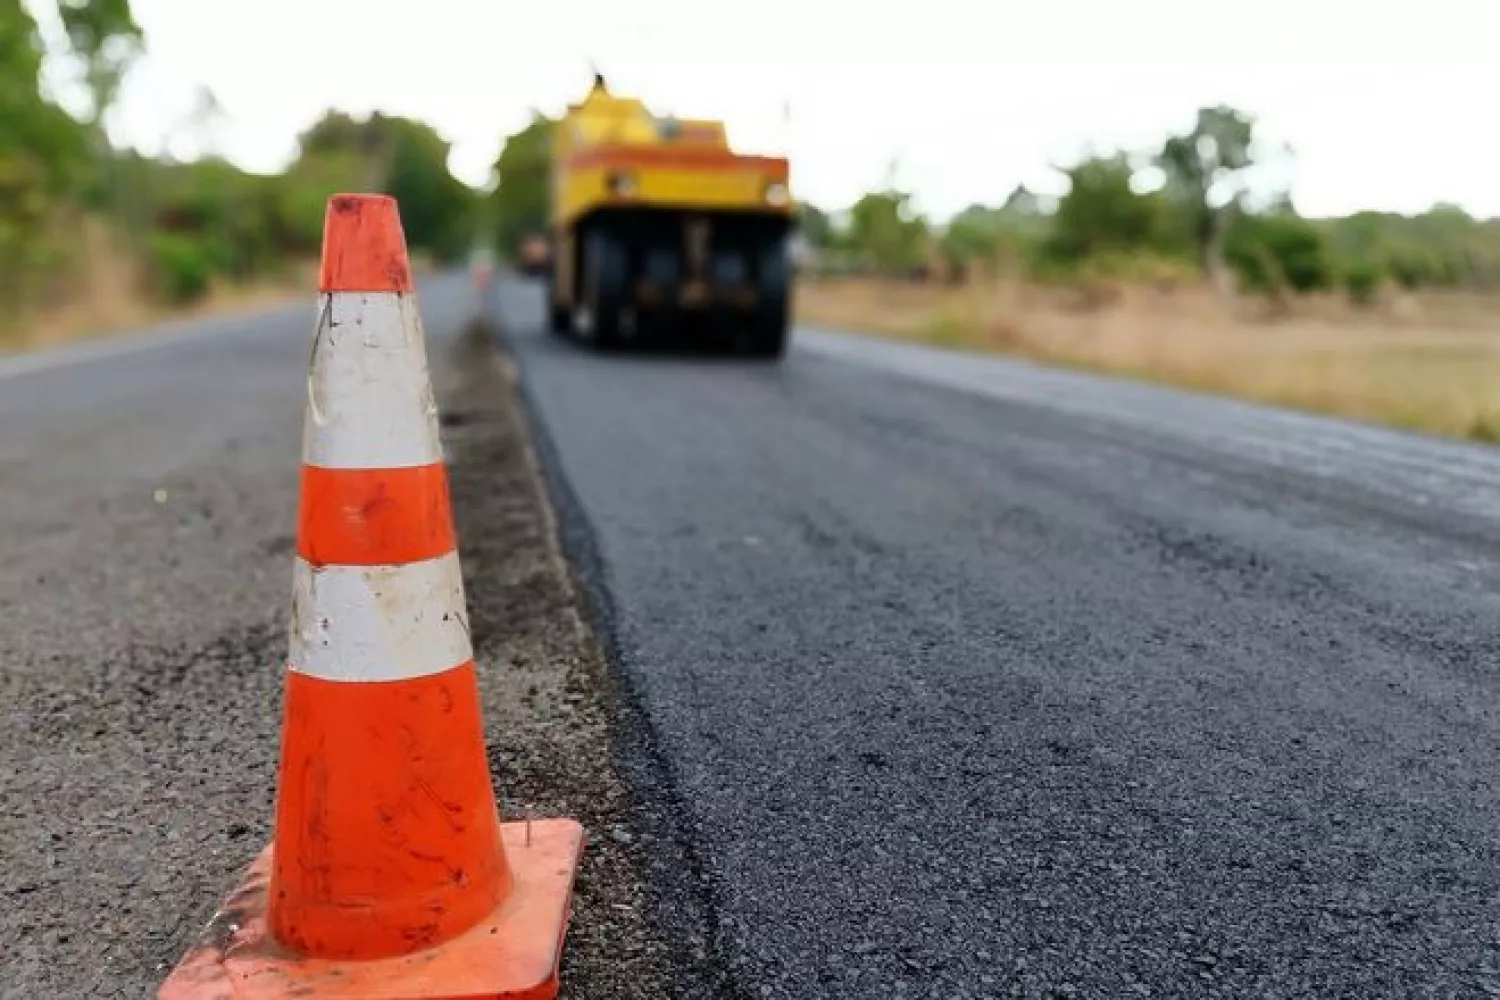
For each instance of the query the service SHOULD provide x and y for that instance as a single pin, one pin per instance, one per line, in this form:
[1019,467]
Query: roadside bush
[1274,253]
[1362,280]
[1412,269]
[182,268]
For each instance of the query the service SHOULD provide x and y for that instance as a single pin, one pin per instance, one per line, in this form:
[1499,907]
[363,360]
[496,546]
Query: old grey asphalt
[961,678]
[147,508]
[147,520]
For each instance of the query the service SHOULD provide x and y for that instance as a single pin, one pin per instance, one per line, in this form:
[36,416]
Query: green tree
[522,174]
[366,144]
[437,209]
[32,129]
[1205,169]
[815,225]
[299,197]
[105,36]
[42,155]
[402,157]
[988,235]
[972,235]
[1102,214]
[884,230]
[1023,214]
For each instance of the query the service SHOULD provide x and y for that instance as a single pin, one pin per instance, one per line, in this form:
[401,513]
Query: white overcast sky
[1387,106]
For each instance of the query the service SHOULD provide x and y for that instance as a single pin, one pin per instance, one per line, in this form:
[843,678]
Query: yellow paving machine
[659,227]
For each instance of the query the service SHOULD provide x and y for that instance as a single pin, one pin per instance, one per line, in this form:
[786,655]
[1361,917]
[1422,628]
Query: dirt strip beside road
[547,694]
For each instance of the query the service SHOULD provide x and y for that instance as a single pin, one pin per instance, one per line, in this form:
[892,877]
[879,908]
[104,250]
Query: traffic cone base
[511,954]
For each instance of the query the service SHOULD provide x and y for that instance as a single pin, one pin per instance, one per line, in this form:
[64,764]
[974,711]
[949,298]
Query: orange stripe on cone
[390,874]
[372,516]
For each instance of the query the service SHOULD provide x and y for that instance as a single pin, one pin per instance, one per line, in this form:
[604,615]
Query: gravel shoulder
[549,698]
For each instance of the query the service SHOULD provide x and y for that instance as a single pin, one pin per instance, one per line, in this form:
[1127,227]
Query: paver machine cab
[659,226]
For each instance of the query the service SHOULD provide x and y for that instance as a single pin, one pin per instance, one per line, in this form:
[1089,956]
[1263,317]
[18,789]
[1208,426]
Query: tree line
[182,226]
[1184,210]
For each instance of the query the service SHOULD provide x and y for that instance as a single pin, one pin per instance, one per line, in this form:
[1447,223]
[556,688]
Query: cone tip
[364,247]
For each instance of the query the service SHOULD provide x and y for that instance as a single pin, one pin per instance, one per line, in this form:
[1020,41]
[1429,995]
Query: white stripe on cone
[379,623]
[369,398]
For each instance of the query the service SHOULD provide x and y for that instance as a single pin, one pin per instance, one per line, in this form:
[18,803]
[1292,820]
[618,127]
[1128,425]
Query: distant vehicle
[658,225]
[535,256]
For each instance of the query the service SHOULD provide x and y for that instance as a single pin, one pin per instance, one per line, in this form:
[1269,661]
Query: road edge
[682,899]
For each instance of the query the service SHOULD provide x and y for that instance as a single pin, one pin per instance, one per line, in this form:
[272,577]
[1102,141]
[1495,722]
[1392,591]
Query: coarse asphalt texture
[928,675]
[958,677]
[148,525]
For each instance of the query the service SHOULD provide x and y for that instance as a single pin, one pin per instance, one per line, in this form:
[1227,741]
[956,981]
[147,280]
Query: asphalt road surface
[925,675]
[961,678]
[147,523]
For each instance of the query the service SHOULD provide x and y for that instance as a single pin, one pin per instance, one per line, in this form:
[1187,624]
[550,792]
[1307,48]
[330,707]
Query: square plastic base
[512,954]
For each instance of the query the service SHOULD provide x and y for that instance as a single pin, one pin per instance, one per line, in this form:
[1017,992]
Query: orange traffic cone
[390,874]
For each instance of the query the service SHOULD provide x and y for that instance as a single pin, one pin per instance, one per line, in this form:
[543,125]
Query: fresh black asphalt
[964,678]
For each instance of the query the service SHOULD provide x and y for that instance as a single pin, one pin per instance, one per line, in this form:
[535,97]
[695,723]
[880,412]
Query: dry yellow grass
[97,317]
[110,301]
[1429,363]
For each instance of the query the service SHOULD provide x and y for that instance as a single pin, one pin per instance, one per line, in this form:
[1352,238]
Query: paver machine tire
[605,274]
[771,319]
